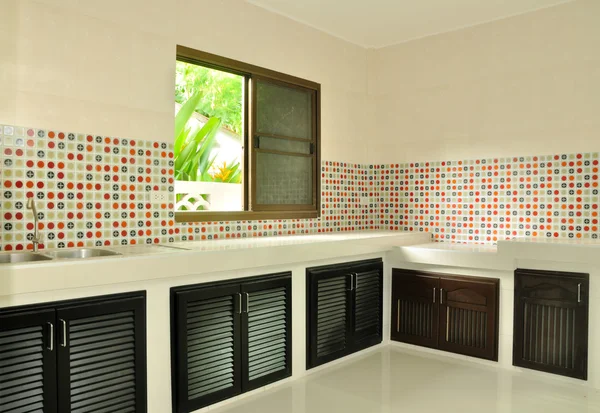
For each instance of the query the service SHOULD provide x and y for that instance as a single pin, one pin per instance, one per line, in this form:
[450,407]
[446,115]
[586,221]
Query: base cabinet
[551,322]
[77,356]
[28,362]
[229,338]
[452,313]
[344,309]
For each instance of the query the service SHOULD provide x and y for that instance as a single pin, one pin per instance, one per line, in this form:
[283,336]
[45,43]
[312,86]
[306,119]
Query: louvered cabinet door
[368,305]
[102,357]
[415,308]
[551,322]
[28,362]
[267,331]
[469,316]
[207,347]
[330,316]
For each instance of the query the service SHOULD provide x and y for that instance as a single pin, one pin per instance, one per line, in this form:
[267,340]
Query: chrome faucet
[36,234]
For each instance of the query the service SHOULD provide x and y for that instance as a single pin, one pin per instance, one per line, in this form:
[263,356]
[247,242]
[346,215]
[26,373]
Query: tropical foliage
[220,93]
[217,96]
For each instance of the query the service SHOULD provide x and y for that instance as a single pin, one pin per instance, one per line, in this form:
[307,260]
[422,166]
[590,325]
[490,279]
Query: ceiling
[380,23]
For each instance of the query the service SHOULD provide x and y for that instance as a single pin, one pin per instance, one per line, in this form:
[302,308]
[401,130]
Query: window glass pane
[284,145]
[283,111]
[283,179]
[209,146]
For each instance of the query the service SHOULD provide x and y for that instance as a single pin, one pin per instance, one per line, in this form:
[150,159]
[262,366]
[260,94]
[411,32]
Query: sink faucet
[36,234]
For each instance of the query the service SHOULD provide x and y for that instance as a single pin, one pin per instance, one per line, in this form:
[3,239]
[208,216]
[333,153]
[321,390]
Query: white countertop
[138,263]
[152,262]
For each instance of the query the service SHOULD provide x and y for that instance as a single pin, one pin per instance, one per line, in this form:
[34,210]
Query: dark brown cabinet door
[344,309]
[551,322]
[368,304]
[28,362]
[415,308]
[266,331]
[329,316]
[468,316]
[102,356]
[207,346]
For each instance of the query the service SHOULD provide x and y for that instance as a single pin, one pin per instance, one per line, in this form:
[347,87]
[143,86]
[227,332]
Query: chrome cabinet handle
[64,333]
[447,323]
[434,295]
[352,282]
[441,296]
[239,303]
[51,338]
[579,292]
[247,302]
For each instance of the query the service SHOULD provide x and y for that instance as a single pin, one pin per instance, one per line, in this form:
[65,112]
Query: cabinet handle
[51,337]
[239,303]
[434,295]
[64,333]
[447,322]
[351,281]
[398,318]
[247,302]
[441,296]
[579,292]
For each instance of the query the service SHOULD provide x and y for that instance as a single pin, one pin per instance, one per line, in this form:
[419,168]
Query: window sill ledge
[209,216]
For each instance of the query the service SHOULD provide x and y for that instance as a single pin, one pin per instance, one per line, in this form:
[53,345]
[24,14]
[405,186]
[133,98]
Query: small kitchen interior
[299,206]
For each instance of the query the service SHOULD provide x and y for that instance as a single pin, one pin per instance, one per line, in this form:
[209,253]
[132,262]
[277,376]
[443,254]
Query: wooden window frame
[250,72]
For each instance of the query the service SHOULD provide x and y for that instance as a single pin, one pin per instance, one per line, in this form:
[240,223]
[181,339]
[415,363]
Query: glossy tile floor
[391,380]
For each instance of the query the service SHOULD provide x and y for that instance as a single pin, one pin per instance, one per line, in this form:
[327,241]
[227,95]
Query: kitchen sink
[22,257]
[81,253]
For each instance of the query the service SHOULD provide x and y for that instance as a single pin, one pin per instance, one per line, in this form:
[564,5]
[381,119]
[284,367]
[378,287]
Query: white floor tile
[393,380]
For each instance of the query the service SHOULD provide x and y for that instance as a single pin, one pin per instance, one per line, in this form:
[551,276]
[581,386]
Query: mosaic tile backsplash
[486,200]
[95,190]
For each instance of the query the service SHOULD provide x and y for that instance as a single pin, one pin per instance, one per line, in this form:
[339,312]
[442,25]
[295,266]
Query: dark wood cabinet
[468,314]
[229,338]
[74,356]
[28,362]
[344,309]
[452,313]
[415,304]
[102,356]
[551,322]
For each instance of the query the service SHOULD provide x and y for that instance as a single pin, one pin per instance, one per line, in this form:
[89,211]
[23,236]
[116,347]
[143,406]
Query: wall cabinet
[344,309]
[451,313]
[229,338]
[551,322]
[77,356]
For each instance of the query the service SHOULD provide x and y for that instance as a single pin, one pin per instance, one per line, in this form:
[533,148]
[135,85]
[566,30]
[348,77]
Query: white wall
[529,84]
[108,67]
[524,85]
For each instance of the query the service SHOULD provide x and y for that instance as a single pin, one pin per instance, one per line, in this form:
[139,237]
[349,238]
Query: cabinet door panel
[330,317]
[207,356]
[267,331]
[28,362]
[368,305]
[414,308]
[102,356]
[468,316]
[551,322]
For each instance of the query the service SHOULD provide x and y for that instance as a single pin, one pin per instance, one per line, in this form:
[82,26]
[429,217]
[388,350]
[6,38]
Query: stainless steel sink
[22,257]
[81,253]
